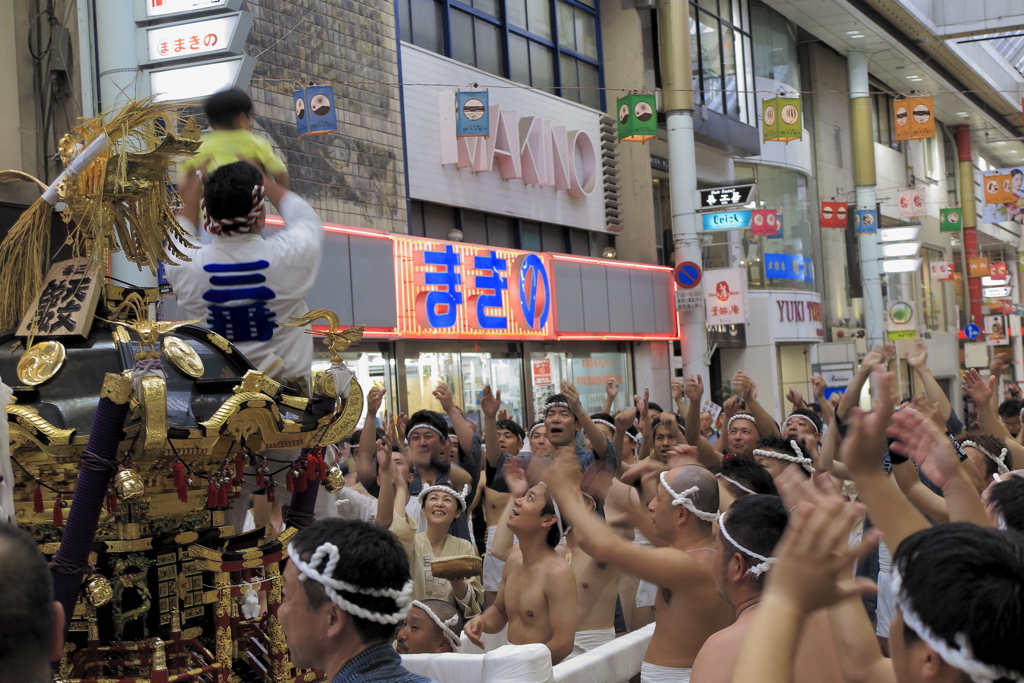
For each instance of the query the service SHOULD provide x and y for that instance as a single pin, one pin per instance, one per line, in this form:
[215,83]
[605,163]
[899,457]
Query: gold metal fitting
[129,484]
[98,591]
[335,480]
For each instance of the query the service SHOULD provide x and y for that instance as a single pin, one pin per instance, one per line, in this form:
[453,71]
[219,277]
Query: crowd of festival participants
[841,546]
[755,550]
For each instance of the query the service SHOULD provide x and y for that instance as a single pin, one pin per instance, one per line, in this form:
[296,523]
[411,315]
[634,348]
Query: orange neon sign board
[451,290]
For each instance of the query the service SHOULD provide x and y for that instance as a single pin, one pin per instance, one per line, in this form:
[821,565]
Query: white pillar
[119,81]
[1016,341]
[863,141]
[682,169]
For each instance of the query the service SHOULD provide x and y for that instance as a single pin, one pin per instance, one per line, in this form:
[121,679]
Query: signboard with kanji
[220,35]
[164,9]
[715,198]
[725,296]
[67,302]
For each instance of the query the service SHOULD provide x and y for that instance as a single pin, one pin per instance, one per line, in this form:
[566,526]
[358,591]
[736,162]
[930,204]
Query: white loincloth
[885,606]
[652,673]
[645,590]
[586,641]
[492,565]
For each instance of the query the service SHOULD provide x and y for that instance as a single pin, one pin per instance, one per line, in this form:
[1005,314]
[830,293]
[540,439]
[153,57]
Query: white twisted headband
[558,514]
[244,223]
[961,657]
[685,500]
[806,463]
[735,483]
[555,404]
[445,626]
[805,419]
[999,461]
[739,416]
[533,429]
[757,569]
[606,423]
[633,437]
[333,587]
[444,488]
[425,425]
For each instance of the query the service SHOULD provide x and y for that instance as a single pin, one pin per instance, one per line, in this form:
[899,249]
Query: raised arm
[861,451]
[597,438]
[918,360]
[829,446]
[851,397]
[677,398]
[386,497]
[766,426]
[366,458]
[796,399]
[489,405]
[190,188]
[504,540]
[462,429]
[827,412]
[623,420]
[931,504]
[693,389]
[611,390]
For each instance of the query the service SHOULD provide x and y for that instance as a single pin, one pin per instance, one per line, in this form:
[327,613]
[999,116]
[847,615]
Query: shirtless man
[742,430]
[504,439]
[537,595]
[644,474]
[563,417]
[688,608]
[597,583]
[755,524]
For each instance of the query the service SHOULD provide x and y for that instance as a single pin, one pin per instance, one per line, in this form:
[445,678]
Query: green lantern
[781,119]
[638,118]
[951,220]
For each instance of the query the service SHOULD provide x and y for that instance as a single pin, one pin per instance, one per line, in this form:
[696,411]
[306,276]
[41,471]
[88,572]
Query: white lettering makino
[541,161]
[528,148]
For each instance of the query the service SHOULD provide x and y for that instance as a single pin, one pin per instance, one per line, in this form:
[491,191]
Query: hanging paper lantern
[314,110]
[914,116]
[473,118]
[781,119]
[638,118]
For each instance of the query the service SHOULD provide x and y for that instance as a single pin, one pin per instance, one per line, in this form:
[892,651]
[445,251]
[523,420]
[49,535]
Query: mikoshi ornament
[118,198]
[638,119]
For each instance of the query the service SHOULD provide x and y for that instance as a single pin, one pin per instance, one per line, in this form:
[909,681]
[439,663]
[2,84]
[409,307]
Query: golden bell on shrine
[129,484]
[98,591]
[335,480]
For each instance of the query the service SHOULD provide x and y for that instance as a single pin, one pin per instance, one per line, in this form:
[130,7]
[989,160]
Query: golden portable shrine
[130,437]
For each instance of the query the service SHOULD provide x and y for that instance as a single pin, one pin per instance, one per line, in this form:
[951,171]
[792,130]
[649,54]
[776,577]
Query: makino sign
[454,290]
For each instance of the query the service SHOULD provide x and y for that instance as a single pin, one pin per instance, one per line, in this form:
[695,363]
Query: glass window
[531,62]
[416,219]
[485,6]
[372,367]
[437,221]
[477,42]
[554,238]
[499,232]
[720,54]
[580,242]
[422,24]
[774,46]
[589,371]
[529,232]
[465,373]
[933,292]
[474,227]
[580,82]
[539,18]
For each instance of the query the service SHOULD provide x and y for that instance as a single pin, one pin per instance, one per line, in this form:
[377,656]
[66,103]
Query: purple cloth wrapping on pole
[90,491]
[299,512]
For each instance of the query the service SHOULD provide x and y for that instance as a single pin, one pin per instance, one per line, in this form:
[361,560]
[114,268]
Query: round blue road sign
[972,331]
[688,274]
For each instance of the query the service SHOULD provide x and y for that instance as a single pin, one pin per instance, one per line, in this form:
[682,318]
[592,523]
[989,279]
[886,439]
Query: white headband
[961,657]
[739,416]
[757,569]
[806,463]
[735,483]
[333,587]
[805,418]
[558,514]
[633,437]
[606,423]
[425,425]
[685,500]
[445,626]
[460,497]
[533,429]
[1000,461]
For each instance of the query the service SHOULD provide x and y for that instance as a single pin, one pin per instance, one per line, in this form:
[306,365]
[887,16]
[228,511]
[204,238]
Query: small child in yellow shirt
[228,113]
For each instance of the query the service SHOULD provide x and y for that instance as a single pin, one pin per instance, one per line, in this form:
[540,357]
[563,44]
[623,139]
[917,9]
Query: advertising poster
[995,330]
[1008,192]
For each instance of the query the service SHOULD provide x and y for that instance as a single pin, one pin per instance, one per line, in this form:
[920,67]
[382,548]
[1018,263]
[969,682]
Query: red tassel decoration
[111,501]
[222,499]
[211,495]
[300,482]
[58,513]
[37,499]
[261,480]
[311,468]
[289,482]
[239,466]
[323,468]
[179,475]
[271,491]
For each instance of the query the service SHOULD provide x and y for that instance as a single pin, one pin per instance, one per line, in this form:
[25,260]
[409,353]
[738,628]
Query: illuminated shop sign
[452,290]
[727,220]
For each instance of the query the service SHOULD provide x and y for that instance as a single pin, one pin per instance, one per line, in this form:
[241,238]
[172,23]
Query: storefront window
[721,55]
[774,46]
[373,368]
[589,371]
[933,293]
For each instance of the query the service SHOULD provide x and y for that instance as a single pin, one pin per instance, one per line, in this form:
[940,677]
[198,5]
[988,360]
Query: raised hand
[611,388]
[743,386]
[624,418]
[918,358]
[502,414]
[677,390]
[813,553]
[979,389]
[796,398]
[515,478]
[645,415]
[572,397]
[374,397]
[489,401]
[862,447]
[682,455]
[1000,365]
[444,396]
[694,388]
[920,439]
[819,388]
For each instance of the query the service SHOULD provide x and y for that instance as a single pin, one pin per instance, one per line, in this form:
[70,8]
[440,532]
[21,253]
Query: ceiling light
[962,114]
[899,234]
[900,249]
[901,265]
[850,33]
[857,36]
